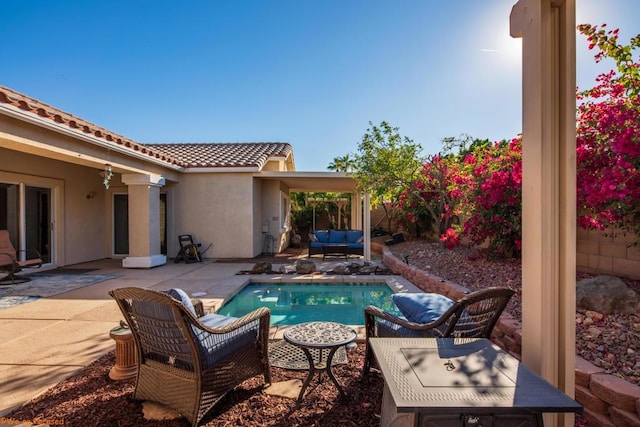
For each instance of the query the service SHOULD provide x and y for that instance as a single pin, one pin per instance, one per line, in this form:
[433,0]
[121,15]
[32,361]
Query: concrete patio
[46,341]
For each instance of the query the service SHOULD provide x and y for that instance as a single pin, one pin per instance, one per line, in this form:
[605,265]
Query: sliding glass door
[25,211]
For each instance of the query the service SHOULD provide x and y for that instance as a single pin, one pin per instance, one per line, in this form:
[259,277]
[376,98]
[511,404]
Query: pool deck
[45,341]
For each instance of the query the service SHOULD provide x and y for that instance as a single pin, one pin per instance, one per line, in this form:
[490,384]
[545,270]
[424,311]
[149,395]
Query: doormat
[288,356]
[47,284]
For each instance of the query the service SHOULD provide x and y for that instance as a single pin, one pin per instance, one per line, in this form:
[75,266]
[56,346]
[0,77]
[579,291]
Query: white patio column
[356,210]
[548,31]
[144,221]
[367,226]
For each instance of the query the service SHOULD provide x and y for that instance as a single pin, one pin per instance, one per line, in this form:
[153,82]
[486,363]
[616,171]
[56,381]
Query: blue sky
[311,73]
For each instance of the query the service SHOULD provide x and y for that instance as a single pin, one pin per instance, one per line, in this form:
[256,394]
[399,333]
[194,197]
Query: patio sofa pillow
[337,237]
[422,307]
[353,236]
[312,237]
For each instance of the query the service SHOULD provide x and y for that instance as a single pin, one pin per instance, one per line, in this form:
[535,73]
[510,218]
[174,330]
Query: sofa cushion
[422,307]
[312,237]
[322,235]
[354,235]
[337,236]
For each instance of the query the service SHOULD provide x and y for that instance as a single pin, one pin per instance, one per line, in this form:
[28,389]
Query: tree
[341,164]
[386,164]
[608,138]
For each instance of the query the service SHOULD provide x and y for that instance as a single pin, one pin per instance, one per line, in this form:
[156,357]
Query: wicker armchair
[473,316]
[189,363]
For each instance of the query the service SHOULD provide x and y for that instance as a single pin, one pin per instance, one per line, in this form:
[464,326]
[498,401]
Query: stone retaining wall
[598,252]
[608,401]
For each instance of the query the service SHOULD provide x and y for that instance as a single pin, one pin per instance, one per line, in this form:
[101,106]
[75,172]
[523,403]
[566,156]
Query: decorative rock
[305,266]
[368,269]
[340,269]
[605,294]
[261,268]
[594,332]
[594,315]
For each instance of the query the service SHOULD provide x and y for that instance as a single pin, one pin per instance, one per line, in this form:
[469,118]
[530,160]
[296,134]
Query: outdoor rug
[288,356]
[47,284]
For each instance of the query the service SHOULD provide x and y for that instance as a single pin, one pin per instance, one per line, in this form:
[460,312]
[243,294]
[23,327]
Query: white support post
[547,28]
[367,227]
[144,221]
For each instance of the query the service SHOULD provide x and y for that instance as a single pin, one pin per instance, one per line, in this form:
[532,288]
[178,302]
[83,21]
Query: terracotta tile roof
[225,155]
[45,111]
[183,155]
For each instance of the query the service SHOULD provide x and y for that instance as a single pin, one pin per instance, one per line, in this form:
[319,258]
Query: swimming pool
[293,303]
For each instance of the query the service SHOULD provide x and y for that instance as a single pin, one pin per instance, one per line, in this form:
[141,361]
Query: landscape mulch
[90,398]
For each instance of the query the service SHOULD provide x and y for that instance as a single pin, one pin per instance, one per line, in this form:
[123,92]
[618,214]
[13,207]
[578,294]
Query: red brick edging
[608,401]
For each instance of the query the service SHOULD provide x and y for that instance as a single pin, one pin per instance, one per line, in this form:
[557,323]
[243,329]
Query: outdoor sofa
[353,239]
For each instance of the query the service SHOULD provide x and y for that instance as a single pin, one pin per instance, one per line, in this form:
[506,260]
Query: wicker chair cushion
[388,329]
[215,347]
[422,307]
[216,320]
[182,296]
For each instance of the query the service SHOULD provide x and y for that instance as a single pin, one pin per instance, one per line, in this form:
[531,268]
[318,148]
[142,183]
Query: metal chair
[189,363]
[472,316]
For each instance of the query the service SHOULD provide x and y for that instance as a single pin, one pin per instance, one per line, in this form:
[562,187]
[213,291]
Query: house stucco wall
[215,208]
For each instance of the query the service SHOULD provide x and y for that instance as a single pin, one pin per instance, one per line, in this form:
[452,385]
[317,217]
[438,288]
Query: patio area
[48,340]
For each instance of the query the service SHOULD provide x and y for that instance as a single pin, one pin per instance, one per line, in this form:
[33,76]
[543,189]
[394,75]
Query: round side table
[321,336]
[126,363]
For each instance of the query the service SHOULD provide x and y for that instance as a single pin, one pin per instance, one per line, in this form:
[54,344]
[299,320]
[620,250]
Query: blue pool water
[291,304]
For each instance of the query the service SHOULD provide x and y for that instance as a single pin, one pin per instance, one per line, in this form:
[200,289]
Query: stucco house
[77,192]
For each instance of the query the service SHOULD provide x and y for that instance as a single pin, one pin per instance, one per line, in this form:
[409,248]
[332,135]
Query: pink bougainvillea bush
[608,137]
